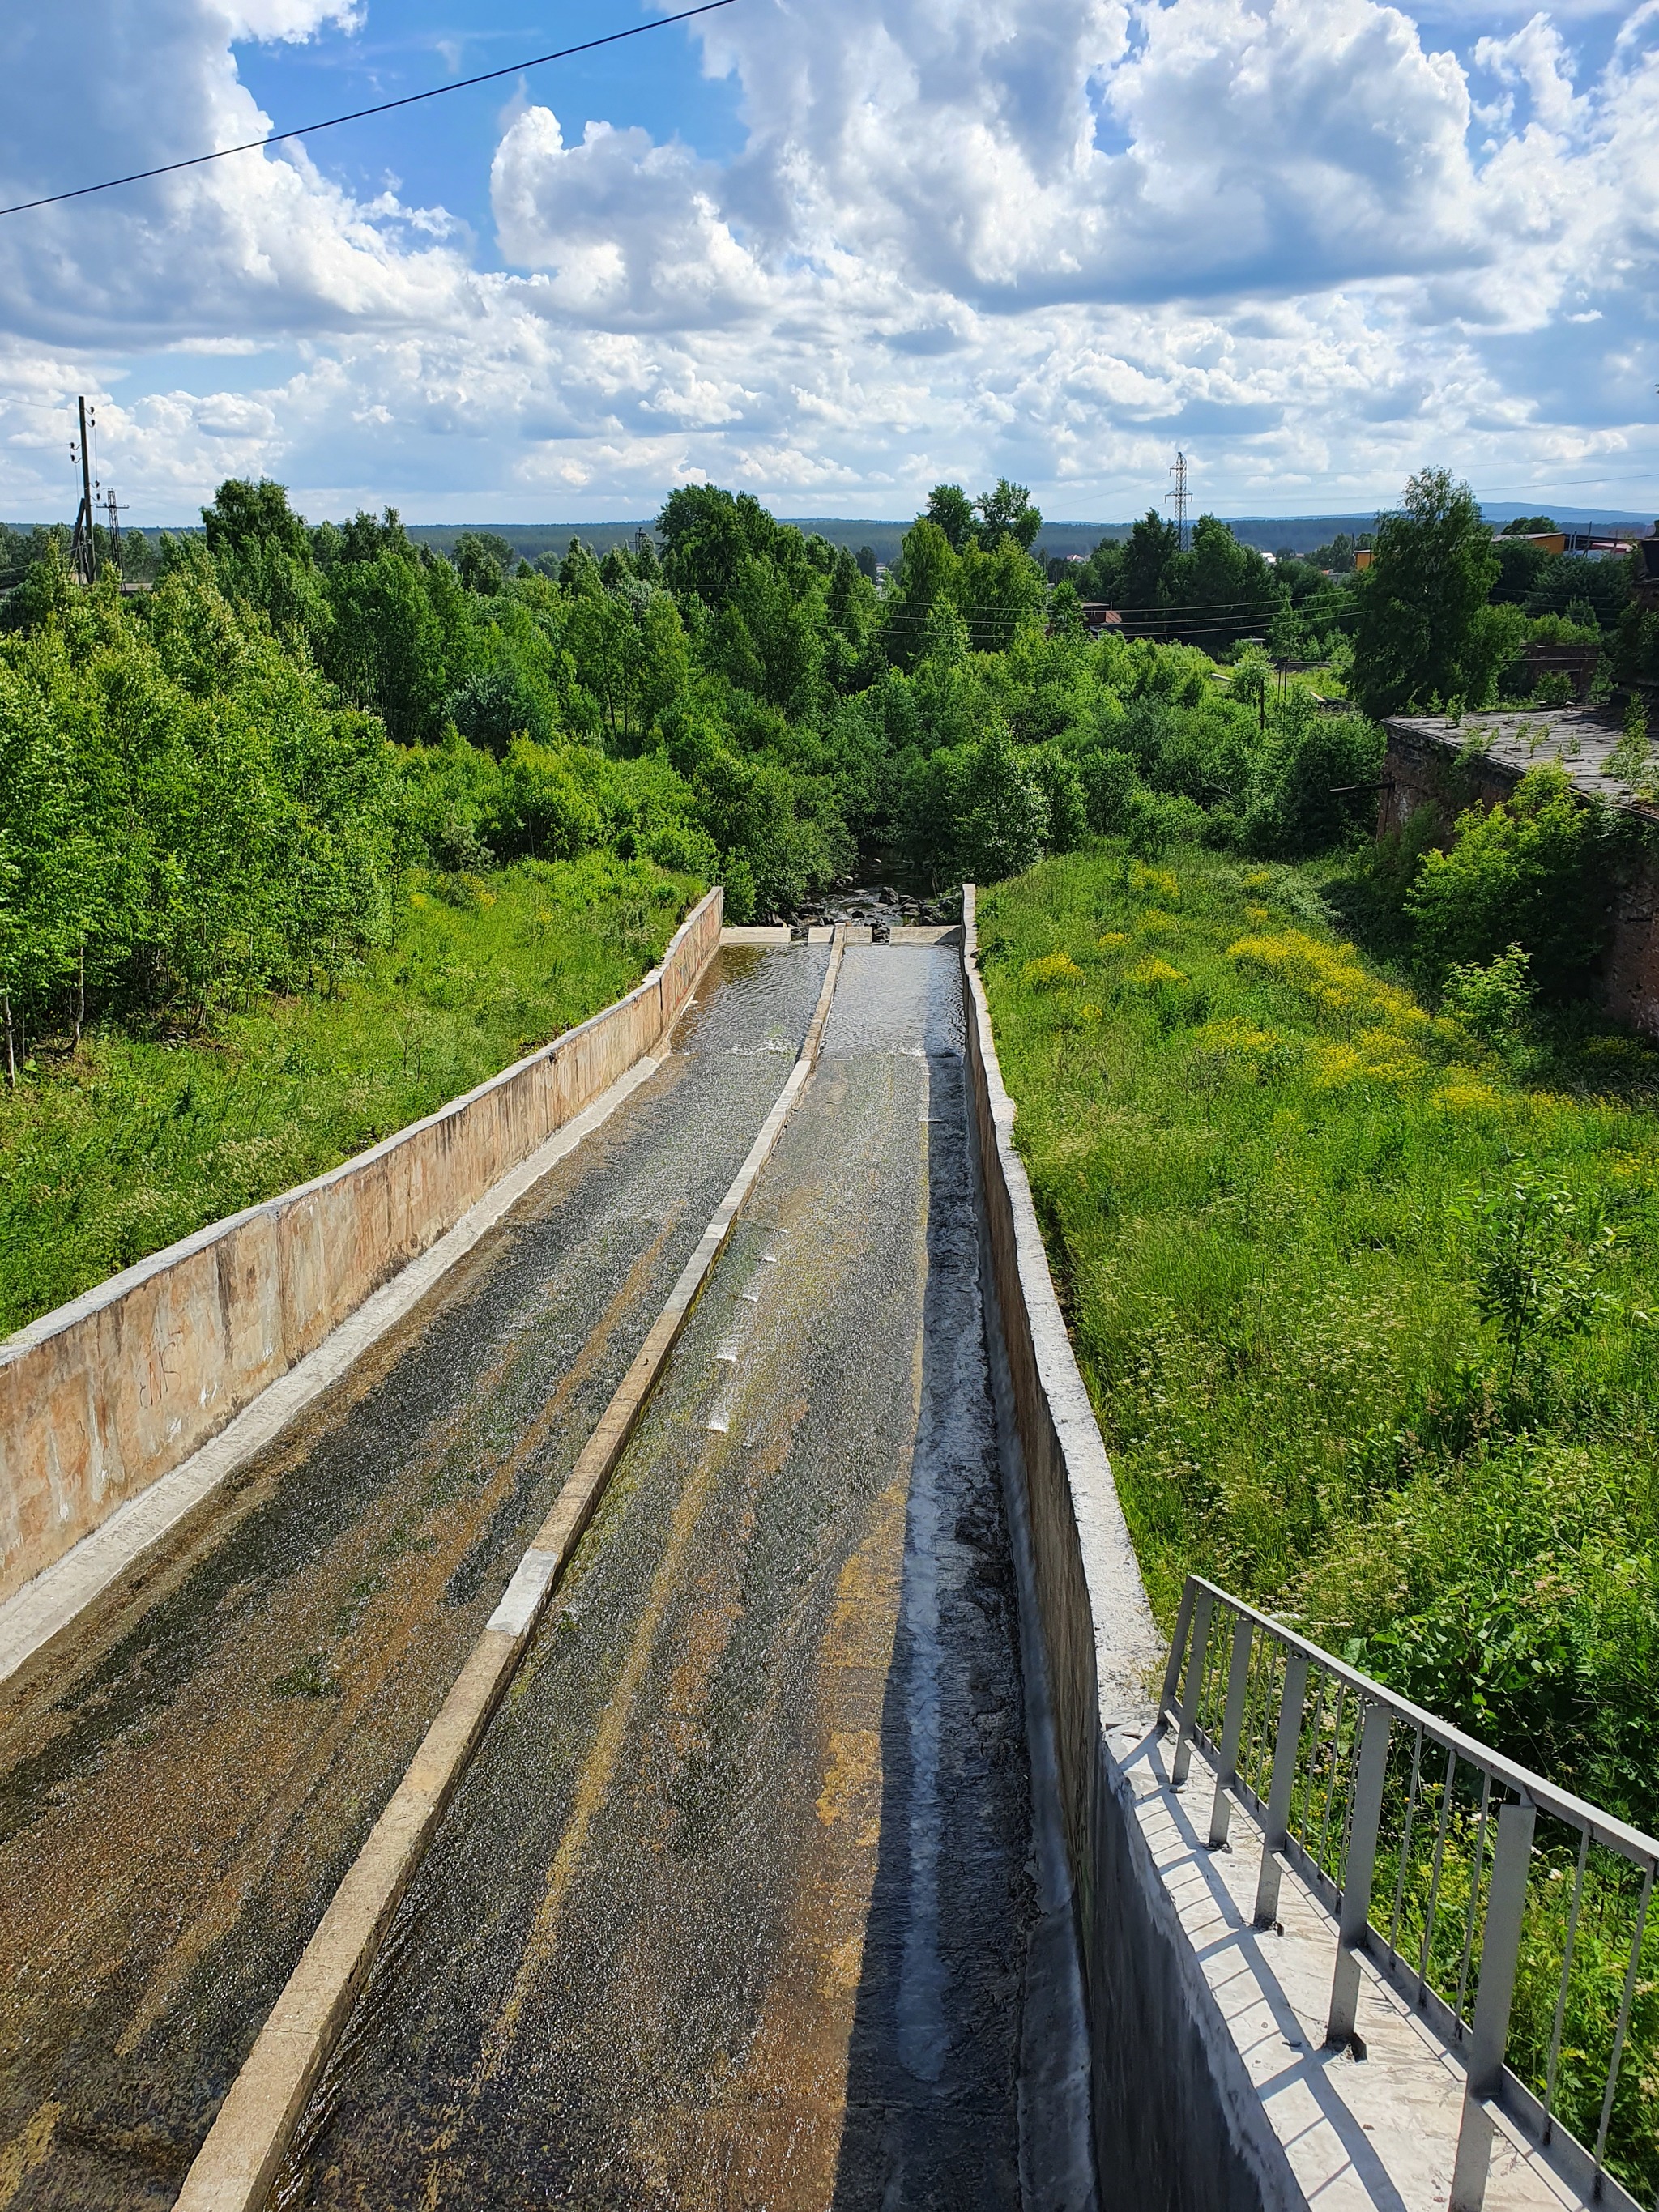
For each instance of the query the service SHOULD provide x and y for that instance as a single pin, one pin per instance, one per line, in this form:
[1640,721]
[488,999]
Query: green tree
[950,509]
[927,571]
[387,646]
[707,535]
[975,813]
[244,514]
[782,628]
[482,561]
[1101,575]
[1000,593]
[1007,512]
[1224,590]
[1146,561]
[1418,637]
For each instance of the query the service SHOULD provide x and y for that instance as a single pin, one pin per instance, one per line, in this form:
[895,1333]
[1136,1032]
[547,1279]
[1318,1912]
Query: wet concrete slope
[732,1908]
[186,1774]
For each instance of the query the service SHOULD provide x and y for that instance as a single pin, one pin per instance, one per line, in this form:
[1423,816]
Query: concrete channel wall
[1178,2124]
[102,1397]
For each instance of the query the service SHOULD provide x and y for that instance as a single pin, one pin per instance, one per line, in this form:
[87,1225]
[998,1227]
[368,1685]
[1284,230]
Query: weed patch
[1367,1322]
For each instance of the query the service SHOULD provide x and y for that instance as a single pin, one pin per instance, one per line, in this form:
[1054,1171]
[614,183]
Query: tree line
[1441,610]
[209,788]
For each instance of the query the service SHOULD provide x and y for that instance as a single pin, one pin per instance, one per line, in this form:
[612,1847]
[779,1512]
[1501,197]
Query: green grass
[1257,1170]
[111,1150]
[1268,1179]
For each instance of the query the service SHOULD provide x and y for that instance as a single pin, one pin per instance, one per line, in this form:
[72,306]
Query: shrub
[1537,1260]
[1315,786]
[541,809]
[682,849]
[1632,759]
[1493,1002]
[1110,782]
[738,879]
[1529,872]
[1052,969]
[1158,821]
[1061,785]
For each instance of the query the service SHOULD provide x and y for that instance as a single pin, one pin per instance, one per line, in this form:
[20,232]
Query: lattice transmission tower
[1177,496]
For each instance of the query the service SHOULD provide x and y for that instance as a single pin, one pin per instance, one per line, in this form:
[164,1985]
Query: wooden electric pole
[83,557]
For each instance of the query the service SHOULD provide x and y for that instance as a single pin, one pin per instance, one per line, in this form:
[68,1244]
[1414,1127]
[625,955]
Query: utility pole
[83,557]
[113,508]
[1179,496]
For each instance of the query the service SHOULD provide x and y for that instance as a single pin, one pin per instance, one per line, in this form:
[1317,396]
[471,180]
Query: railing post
[1286,1747]
[1183,1750]
[1178,1645]
[1232,1728]
[1361,1864]
[1500,1947]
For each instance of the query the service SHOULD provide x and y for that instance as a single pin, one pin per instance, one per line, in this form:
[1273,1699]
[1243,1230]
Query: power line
[357,114]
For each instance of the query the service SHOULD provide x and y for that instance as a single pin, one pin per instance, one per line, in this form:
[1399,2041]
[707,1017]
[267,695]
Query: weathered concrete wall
[1178,2126]
[103,1396]
[1426,769]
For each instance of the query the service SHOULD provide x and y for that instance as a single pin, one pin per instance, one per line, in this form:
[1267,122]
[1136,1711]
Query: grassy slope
[1255,1159]
[109,1153]
[1252,1168]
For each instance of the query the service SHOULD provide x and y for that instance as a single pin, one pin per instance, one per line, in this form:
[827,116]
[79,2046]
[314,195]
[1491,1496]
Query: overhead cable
[357,114]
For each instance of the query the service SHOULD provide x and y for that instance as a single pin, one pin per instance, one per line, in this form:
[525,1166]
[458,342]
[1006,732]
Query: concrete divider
[1178,2124]
[102,1397]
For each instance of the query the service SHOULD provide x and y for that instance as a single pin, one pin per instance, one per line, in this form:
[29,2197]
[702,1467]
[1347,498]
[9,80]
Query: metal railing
[1458,1874]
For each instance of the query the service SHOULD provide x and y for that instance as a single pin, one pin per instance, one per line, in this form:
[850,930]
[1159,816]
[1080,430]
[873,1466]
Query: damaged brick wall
[1422,769]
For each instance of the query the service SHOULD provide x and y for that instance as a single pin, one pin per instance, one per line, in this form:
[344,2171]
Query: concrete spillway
[667,1721]
[733,1906]
[185,1778]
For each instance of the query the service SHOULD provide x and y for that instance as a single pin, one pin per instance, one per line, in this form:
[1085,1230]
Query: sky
[833,252]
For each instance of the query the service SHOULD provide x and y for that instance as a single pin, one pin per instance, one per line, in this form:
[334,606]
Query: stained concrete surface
[733,1907]
[103,1397]
[186,1772]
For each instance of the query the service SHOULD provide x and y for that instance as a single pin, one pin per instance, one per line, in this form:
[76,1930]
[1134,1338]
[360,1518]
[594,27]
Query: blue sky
[834,254]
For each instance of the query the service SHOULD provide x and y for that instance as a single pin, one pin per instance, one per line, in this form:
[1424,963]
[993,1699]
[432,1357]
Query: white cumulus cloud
[1051,238]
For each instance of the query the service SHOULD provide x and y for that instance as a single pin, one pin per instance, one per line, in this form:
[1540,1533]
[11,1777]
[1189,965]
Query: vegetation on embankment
[148,1130]
[1366,1297]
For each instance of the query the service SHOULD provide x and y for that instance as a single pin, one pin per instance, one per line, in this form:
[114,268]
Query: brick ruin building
[1434,762]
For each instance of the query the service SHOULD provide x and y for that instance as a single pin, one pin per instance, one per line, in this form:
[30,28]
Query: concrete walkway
[1376,2134]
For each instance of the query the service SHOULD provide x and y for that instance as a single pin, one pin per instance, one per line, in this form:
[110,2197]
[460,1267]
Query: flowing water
[187,1773]
[733,1907]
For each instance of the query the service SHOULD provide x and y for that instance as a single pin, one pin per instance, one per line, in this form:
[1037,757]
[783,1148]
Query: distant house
[1100,618]
[1646,587]
[1544,657]
[1599,545]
